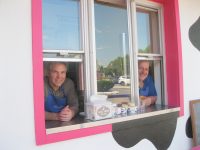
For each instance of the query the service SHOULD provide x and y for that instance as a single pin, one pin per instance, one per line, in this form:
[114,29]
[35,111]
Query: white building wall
[189,13]
[16,90]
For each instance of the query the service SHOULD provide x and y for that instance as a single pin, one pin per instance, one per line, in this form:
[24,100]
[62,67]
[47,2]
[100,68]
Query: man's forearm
[153,99]
[51,116]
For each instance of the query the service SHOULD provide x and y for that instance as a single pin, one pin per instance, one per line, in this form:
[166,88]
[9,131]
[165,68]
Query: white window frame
[133,47]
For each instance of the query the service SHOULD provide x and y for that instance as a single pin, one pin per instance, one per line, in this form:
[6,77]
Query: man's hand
[66,114]
[147,101]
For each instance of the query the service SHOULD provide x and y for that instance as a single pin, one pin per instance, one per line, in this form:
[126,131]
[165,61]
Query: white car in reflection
[124,80]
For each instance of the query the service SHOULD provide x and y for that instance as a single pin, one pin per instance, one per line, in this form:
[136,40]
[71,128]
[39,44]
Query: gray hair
[51,64]
[140,61]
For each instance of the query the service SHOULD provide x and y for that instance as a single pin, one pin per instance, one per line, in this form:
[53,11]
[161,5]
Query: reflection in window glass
[61,24]
[143,32]
[147,31]
[112,51]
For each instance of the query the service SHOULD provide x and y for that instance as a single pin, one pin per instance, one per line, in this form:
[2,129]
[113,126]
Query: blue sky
[61,24]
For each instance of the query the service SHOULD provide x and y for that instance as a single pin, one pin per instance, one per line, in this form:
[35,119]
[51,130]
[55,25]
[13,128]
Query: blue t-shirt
[149,88]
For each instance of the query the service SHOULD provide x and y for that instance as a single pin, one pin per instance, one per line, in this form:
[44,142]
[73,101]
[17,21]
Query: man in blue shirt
[147,90]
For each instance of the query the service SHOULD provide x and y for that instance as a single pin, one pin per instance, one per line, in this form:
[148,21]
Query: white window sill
[80,122]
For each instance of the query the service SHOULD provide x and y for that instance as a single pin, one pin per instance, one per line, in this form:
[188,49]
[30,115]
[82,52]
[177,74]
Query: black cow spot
[188,128]
[158,129]
[194,34]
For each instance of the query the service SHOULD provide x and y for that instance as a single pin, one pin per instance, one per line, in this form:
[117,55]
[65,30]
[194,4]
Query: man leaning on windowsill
[61,102]
[147,90]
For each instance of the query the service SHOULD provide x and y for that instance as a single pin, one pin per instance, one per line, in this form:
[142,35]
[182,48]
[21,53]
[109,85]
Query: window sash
[61,23]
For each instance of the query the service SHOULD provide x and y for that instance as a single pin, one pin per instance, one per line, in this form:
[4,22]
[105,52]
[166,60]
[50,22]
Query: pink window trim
[174,72]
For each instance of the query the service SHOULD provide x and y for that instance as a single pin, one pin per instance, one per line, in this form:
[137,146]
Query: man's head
[143,69]
[57,74]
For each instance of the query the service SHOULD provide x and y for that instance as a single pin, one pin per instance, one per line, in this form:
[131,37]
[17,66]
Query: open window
[102,41]
[149,47]
[62,40]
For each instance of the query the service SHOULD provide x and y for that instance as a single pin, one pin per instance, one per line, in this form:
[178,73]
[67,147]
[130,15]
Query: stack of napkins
[98,107]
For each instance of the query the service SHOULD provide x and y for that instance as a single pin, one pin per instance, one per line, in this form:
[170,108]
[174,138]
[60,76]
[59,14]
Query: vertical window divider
[162,46]
[92,48]
[134,53]
[131,50]
[85,39]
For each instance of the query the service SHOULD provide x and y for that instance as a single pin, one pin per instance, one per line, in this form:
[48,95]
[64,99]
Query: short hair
[50,65]
[140,61]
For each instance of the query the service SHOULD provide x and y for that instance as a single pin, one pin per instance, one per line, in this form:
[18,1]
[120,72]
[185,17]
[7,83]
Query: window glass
[147,31]
[112,49]
[61,24]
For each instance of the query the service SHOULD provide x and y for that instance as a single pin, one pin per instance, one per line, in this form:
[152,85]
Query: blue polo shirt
[149,88]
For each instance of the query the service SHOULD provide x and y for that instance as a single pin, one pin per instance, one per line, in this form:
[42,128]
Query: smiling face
[143,70]
[57,75]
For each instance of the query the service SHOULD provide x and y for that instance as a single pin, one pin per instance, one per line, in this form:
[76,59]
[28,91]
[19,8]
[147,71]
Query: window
[115,56]
[112,49]
[62,39]
[61,25]
[78,34]
[150,48]
[148,30]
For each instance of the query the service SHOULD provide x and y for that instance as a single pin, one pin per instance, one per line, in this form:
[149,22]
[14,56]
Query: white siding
[16,90]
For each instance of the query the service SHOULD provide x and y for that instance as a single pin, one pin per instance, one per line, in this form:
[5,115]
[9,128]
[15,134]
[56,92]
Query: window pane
[61,24]
[147,31]
[112,50]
